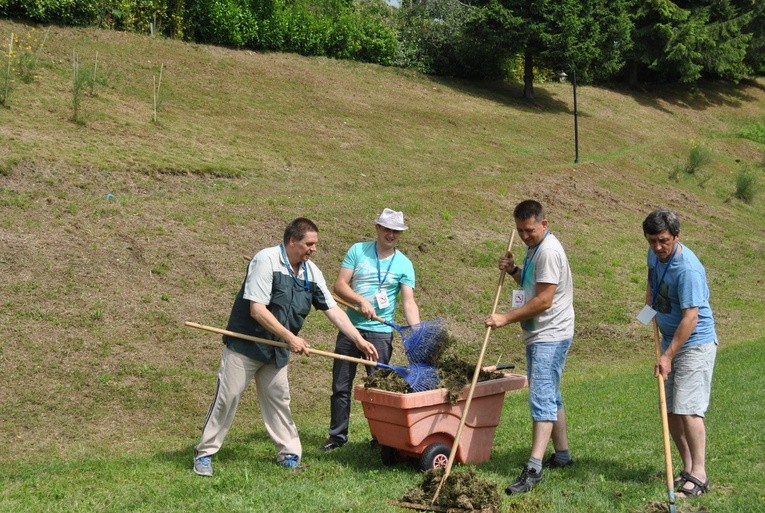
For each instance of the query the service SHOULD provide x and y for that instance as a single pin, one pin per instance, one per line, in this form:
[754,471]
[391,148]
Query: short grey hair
[660,220]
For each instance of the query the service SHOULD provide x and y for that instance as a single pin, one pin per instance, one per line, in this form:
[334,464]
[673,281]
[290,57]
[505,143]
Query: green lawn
[615,434]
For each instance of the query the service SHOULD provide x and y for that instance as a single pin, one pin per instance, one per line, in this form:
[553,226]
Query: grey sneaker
[552,462]
[203,466]
[528,479]
[290,461]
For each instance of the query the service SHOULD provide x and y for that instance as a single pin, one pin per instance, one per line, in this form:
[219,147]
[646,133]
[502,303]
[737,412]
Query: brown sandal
[681,480]
[698,489]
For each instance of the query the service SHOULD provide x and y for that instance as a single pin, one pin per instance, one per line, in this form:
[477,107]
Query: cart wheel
[389,456]
[435,456]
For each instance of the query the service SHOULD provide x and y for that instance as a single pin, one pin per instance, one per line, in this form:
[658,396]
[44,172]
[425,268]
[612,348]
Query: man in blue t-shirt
[678,293]
[373,275]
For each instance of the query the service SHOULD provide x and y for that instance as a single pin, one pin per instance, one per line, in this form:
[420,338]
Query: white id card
[646,314]
[519,298]
[382,299]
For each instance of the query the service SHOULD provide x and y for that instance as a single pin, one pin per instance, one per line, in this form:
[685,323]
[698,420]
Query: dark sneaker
[552,462]
[330,445]
[373,443]
[203,466]
[528,479]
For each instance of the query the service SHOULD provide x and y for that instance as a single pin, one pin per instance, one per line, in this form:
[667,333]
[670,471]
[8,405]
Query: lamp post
[563,78]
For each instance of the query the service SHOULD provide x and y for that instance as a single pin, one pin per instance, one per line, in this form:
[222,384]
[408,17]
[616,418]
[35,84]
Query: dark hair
[660,220]
[298,228]
[529,208]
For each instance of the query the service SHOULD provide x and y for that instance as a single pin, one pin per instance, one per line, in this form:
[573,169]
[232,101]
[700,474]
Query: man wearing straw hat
[281,285]
[544,307]
[373,276]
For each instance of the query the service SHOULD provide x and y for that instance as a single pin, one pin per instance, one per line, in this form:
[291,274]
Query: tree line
[631,41]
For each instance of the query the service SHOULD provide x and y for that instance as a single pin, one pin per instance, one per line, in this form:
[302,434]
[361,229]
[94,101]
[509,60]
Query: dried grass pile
[453,374]
[462,491]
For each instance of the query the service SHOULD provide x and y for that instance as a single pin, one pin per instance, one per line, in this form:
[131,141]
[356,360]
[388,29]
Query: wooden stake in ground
[477,372]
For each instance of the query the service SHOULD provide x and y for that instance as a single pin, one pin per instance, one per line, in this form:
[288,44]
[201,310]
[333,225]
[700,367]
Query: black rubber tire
[435,456]
[389,455]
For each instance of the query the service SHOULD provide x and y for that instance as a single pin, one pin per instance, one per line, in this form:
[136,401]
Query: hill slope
[115,230]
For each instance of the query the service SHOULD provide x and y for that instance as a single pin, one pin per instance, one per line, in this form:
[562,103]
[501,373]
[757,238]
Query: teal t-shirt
[371,274]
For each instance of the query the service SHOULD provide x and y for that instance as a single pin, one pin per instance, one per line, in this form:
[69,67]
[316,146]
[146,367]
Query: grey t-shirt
[547,263]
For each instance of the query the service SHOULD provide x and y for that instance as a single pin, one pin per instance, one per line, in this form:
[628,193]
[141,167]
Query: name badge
[382,299]
[646,315]
[519,298]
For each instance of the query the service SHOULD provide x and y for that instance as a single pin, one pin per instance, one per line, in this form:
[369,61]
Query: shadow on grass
[509,94]
[662,97]
[585,470]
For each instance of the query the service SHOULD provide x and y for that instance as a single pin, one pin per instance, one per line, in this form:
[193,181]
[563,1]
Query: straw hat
[392,220]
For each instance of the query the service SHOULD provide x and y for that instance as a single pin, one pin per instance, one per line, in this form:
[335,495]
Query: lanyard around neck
[530,256]
[292,273]
[381,279]
[658,284]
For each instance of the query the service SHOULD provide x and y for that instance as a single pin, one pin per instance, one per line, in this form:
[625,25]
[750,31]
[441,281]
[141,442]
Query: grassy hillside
[117,228]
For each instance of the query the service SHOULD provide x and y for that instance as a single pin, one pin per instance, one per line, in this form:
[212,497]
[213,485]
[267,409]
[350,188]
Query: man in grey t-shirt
[544,307]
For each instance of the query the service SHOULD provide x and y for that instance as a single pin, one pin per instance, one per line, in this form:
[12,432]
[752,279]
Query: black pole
[576,121]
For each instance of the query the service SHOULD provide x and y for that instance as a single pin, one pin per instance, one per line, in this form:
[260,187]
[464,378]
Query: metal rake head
[424,342]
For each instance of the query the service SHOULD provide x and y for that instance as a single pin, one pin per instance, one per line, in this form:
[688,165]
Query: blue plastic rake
[421,341]
[419,376]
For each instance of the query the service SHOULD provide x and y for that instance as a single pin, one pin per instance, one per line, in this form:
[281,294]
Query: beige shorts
[689,385]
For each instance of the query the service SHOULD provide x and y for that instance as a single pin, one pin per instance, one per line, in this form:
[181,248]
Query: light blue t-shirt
[367,277]
[683,285]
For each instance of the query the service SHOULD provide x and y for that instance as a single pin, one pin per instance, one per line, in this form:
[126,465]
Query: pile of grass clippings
[462,491]
[386,379]
[453,372]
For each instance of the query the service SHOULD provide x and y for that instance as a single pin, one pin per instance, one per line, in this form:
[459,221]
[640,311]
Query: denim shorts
[544,367]
[688,385]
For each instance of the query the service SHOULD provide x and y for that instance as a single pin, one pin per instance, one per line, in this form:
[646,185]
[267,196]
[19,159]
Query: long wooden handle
[250,338]
[476,373]
[664,424]
[358,310]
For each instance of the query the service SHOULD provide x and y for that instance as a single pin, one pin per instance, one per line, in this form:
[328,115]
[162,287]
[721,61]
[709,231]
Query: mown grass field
[117,228]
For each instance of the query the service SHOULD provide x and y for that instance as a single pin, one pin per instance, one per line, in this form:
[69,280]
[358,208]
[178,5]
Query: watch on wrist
[515,270]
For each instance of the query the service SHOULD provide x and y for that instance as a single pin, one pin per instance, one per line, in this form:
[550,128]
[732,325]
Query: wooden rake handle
[476,373]
[358,310]
[664,424]
[275,343]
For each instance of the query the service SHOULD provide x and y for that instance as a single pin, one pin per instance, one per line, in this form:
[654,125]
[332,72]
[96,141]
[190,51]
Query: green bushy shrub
[65,12]
[335,28]
[222,22]
[369,39]
[306,30]
[138,15]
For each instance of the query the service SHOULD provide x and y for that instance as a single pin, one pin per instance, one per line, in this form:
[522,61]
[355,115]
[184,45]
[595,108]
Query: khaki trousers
[235,373]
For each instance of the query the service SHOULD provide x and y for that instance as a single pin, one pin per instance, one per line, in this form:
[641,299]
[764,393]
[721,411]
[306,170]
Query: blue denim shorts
[544,367]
